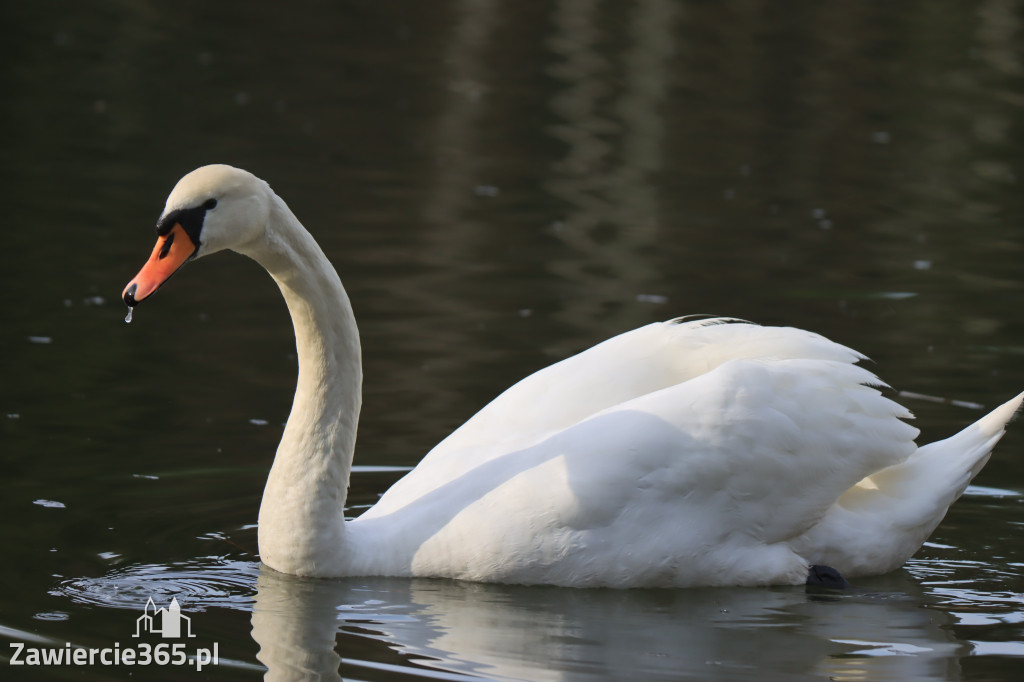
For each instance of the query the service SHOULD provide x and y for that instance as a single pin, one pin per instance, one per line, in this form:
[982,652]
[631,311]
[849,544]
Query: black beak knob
[129,296]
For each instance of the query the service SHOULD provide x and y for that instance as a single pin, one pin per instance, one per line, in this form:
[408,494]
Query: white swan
[682,453]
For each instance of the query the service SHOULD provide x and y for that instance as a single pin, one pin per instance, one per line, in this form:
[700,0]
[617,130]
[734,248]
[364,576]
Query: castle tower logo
[167,622]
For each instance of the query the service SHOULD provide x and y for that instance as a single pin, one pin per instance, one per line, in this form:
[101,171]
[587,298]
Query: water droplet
[128,317]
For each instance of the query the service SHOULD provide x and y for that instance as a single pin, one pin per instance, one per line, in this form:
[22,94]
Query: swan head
[212,208]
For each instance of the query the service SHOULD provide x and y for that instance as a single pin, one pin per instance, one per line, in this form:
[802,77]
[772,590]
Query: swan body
[683,453]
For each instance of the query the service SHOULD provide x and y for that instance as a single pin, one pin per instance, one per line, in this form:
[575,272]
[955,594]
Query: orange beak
[172,250]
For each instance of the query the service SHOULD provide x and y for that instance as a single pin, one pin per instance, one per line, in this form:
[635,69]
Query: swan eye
[209,204]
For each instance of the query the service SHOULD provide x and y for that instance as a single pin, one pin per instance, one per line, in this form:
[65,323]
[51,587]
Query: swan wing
[556,397]
[624,367]
[701,377]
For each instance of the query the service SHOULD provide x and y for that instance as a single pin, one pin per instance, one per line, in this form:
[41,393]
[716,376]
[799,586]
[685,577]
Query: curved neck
[301,520]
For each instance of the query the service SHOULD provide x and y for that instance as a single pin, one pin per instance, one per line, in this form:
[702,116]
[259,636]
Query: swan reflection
[322,629]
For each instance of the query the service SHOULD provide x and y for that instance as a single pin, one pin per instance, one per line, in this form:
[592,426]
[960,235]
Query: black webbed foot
[825,576]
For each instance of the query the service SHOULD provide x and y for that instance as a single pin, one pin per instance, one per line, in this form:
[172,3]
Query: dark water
[500,184]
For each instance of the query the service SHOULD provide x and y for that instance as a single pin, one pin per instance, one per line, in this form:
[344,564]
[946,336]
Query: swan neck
[302,515]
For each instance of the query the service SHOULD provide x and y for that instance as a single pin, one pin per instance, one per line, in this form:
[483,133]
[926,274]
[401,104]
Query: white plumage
[689,452]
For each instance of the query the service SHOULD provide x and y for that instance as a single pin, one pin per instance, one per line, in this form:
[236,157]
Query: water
[499,185]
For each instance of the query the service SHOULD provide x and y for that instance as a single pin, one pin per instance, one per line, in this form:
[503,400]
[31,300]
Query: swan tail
[878,524]
[961,456]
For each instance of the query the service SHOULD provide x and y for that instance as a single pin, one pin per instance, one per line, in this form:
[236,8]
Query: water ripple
[198,584]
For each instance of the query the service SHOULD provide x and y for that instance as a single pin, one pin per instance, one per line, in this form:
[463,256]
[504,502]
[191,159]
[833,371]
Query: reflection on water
[541,633]
[500,184]
[314,627]
[887,628]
